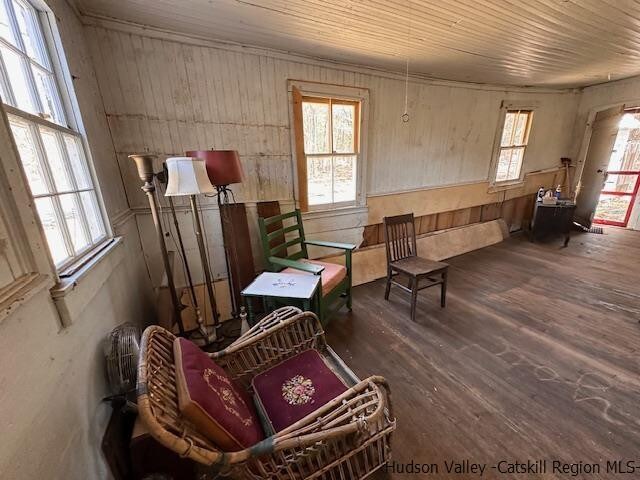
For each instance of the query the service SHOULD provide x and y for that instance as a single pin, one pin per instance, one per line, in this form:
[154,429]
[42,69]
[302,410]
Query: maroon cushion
[294,388]
[208,398]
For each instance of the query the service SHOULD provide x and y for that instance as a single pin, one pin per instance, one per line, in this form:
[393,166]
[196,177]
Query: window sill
[72,294]
[508,185]
[333,212]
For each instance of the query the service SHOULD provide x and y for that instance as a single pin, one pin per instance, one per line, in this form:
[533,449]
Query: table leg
[248,303]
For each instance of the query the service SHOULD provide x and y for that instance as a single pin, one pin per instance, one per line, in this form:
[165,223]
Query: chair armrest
[364,408]
[280,335]
[268,323]
[305,267]
[341,246]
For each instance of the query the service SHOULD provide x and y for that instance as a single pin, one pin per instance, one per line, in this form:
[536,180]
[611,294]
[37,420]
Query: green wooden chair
[279,236]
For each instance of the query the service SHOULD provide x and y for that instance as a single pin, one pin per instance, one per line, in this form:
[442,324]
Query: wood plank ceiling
[550,43]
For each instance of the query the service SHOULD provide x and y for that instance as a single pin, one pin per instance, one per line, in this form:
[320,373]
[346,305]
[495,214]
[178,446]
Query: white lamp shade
[187,176]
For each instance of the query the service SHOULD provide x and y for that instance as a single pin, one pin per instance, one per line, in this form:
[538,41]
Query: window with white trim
[51,148]
[513,143]
[330,128]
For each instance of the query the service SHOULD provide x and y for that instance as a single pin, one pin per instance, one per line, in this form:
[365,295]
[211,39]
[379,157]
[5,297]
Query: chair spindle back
[400,237]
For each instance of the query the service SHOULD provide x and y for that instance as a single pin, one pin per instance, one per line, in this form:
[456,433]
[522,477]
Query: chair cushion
[295,388]
[330,277]
[218,408]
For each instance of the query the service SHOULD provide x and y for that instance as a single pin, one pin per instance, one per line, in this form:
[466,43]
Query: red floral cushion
[294,388]
[208,398]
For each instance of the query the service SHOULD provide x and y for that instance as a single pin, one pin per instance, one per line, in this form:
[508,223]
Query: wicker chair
[347,438]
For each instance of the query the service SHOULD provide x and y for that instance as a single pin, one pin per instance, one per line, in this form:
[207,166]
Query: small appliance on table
[283,288]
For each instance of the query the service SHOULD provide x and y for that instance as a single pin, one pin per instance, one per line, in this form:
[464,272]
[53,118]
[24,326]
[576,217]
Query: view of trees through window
[331,149]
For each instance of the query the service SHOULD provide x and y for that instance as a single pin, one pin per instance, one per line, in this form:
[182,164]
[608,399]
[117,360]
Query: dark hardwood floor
[535,356]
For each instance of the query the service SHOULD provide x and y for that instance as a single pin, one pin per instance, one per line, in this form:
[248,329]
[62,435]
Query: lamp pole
[204,260]
[144,163]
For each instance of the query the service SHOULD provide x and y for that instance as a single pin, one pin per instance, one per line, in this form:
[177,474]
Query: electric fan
[122,349]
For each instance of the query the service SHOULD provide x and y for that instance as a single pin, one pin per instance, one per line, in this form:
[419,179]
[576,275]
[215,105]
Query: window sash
[54,193]
[529,114]
[30,65]
[356,121]
[512,146]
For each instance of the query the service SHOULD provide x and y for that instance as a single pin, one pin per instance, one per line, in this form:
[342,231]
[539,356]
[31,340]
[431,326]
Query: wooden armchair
[278,237]
[348,437]
[402,259]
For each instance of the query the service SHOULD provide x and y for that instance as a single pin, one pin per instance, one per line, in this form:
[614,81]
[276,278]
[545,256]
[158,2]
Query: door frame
[632,203]
[586,137]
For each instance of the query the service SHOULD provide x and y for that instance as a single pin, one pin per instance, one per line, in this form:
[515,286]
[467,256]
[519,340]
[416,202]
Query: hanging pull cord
[405,115]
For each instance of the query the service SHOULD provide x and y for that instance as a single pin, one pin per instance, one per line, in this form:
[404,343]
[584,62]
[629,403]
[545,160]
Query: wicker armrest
[269,322]
[280,335]
[318,440]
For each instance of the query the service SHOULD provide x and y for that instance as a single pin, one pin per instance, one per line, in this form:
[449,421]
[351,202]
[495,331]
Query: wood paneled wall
[167,94]
[169,97]
[516,213]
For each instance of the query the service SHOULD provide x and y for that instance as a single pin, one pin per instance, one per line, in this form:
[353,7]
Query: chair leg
[388,287]
[443,290]
[414,298]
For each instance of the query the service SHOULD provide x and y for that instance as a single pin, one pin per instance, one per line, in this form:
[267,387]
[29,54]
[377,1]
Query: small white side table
[300,289]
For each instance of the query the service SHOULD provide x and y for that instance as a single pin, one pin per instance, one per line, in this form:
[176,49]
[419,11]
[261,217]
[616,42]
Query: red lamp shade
[223,166]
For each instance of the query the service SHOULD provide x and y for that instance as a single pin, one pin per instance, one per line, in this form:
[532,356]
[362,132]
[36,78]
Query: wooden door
[594,174]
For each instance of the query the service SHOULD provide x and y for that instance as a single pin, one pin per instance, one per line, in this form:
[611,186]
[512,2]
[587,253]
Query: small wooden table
[552,219]
[293,289]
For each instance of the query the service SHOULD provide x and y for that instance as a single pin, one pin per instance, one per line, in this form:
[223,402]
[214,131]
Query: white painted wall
[601,97]
[52,378]
[169,93]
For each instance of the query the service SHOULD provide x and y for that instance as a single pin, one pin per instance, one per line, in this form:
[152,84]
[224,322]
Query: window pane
[509,164]
[78,162]
[319,180]
[30,32]
[507,130]
[15,66]
[343,128]
[520,129]
[5,28]
[48,93]
[503,164]
[29,156]
[57,166]
[620,183]
[613,208]
[315,120]
[344,179]
[73,219]
[515,164]
[94,217]
[52,230]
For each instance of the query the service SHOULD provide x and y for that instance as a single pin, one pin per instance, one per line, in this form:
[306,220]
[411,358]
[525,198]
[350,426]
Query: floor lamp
[223,168]
[188,177]
[144,163]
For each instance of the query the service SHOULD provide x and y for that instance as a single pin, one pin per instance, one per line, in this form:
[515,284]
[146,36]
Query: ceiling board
[550,43]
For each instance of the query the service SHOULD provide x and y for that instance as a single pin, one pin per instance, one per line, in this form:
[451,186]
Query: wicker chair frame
[347,438]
